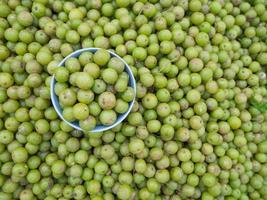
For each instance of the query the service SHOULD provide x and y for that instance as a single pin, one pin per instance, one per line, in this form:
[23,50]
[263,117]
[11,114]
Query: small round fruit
[107,100]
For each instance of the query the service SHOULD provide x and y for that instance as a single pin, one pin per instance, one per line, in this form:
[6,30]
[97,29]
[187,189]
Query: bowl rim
[101,128]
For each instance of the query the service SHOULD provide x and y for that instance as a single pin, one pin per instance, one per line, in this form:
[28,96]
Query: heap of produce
[198,128]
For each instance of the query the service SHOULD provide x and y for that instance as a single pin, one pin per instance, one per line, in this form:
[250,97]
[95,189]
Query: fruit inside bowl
[93,89]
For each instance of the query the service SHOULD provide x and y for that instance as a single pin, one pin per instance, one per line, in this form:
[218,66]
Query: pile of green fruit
[193,132]
[96,83]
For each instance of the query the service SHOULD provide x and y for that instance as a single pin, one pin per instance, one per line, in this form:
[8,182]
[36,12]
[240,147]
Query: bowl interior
[75,124]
